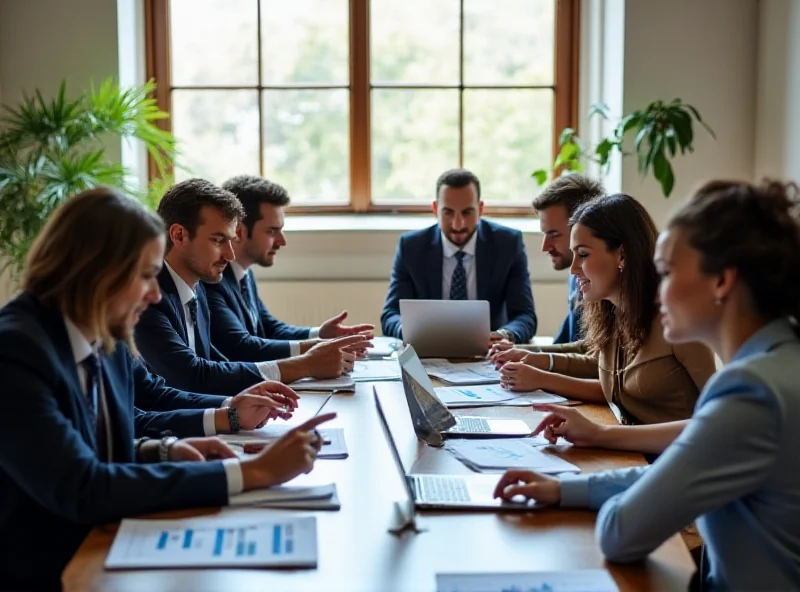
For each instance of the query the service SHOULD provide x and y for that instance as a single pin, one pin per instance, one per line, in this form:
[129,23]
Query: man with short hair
[243,329]
[174,335]
[464,258]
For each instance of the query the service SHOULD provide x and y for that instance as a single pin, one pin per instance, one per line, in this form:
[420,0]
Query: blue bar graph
[289,546]
[162,541]
[218,542]
[240,543]
[251,548]
[187,538]
[276,539]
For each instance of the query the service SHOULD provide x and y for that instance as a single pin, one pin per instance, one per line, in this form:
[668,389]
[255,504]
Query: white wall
[778,112]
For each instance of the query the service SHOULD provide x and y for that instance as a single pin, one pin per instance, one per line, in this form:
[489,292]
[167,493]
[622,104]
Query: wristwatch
[233,420]
[506,334]
[163,447]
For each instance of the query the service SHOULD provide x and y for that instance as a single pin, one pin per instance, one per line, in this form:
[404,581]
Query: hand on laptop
[533,486]
[516,376]
[333,328]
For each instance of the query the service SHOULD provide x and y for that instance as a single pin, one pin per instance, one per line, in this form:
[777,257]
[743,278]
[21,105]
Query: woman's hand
[533,486]
[517,376]
[570,424]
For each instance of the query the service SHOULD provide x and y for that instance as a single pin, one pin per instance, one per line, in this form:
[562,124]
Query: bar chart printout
[589,580]
[216,541]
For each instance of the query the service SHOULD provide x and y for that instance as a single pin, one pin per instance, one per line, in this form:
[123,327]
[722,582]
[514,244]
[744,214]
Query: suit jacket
[661,383]
[162,340]
[501,268]
[53,487]
[570,331]
[237,334]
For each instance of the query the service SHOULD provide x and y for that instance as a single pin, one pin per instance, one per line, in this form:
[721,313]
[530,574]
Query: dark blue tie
[92,365]
[458,284]
[192,304]
[244,287]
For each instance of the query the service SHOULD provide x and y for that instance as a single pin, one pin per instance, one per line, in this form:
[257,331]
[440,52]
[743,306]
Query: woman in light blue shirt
[730,268]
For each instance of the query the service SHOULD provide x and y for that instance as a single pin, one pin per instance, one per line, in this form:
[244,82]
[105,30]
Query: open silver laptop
[447,492]
[446,328]
[433,421]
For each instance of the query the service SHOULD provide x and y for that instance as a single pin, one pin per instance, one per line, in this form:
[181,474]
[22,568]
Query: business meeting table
[356,551]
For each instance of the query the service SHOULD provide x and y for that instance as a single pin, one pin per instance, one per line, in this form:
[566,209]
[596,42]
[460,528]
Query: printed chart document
[488,395]
[374,370]
[586,580]
[251,441]
[499,454]
[383,347]
[215,541]
[482,372]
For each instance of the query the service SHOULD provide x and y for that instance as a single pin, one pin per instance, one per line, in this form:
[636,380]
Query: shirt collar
[770,335]
[184,290]
[238,271]
[449,249]
[81,348]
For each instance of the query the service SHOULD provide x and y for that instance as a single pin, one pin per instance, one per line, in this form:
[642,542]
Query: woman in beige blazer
[623,358]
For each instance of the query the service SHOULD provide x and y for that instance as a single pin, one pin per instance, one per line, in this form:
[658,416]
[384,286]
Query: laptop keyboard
[432,488]
[474,425]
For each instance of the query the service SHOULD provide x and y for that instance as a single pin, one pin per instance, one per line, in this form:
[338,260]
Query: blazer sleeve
[401,286]
[152,393]
[185,423]
[698,361]
[519,297]
[42,452]
[168,356]
[230,336]
[577,347]
[563,332]
[573,360]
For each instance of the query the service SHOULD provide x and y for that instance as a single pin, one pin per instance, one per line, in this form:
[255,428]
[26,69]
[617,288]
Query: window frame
[565,99]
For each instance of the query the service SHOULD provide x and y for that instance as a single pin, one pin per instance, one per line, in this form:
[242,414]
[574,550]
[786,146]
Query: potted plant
[52,150]
[661,129]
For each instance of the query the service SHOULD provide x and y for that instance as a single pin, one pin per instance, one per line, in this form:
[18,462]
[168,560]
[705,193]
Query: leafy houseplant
[52,150]
[661,129]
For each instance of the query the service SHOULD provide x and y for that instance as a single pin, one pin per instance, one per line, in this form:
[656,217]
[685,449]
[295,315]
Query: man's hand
[570,424]
[333,328]
[494,337]
[276,391]
[292,454]
[199,449]
[533,486]
[510,355]
[254,411]
[331,359]
[498,346]
[307,344]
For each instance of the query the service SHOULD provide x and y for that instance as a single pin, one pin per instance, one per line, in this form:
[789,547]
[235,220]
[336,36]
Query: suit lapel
[233,286]
[483,261]
[169,291]
[434,265]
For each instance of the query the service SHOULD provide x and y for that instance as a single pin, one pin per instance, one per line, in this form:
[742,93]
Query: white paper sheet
[482,372]
[384,346]
[282,493]
[498,454]
[333,447]
[343,383]
[373,370]
[488,395]
[215,541]
[584,580]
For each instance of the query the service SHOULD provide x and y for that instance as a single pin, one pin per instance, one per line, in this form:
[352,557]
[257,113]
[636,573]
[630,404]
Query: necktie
[198,343]
[92,365]
[192,304]
[458,284]
[244,287]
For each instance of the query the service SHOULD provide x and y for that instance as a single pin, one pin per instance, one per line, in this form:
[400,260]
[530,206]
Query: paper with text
[584,580]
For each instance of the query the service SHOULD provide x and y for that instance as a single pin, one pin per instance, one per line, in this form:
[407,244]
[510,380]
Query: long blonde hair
[87,254]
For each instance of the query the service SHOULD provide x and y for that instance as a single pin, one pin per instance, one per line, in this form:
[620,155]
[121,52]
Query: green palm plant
[50,150]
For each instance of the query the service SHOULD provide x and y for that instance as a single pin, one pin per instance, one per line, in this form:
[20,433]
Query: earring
[621,267]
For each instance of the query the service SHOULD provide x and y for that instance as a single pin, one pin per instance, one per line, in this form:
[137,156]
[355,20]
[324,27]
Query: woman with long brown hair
[624,359]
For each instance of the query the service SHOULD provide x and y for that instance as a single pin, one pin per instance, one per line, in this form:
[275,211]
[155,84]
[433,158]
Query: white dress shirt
[81,349]
[449,263]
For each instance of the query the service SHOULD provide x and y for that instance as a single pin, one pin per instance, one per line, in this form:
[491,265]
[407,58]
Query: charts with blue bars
[585,580]
[215,541]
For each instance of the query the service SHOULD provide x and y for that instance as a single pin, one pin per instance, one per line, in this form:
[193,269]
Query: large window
[359,105]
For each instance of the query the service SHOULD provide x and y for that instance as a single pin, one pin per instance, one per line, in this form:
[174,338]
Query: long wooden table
[357,553]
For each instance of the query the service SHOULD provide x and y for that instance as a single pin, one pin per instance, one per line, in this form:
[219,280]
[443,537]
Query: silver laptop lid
[398,461]
[446,328]
[428,415]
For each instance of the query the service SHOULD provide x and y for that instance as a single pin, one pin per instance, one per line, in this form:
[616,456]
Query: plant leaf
[567,136]
[696,114]
[540,175]
[662,171]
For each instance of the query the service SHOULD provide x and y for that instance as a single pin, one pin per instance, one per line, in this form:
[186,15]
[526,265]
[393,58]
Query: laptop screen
[429,416]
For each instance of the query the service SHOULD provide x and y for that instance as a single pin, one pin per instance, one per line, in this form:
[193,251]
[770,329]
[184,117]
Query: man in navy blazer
[464,258]
[243,329]
[174,335]
[68,460]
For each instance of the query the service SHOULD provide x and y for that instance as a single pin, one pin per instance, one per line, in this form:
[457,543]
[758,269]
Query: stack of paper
[383,347]
[492,395]
[374,370]
[215,541]
[482,372]
[584,580]
[499,454]
[333,444]
[312,497]
[343,383]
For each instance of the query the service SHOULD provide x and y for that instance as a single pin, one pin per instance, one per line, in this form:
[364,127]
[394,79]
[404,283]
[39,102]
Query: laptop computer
[433,421]
[447,492]
[446,328]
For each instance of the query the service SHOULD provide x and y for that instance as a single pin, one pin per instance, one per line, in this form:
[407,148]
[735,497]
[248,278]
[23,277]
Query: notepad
[215,541]
[343,383]
[282,493]
[334,446]
[582,580]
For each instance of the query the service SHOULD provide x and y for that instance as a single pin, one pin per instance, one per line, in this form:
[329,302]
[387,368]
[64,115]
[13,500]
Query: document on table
[583,580]
[488,395]
[343,383]
[482,372]
[333,444]
[374,370]
[383,347]
[215,541]
[283,493]
[499,454]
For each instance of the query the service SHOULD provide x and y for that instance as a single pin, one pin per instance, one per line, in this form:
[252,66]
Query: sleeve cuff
[574,491]
[209,429]
[313,333]
[233,473]
[269,370]
[227,402]
[294,348]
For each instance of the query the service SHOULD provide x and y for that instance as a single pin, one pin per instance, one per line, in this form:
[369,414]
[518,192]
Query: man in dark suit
[243,329]
[174,335]
[464,258]
[68,460]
